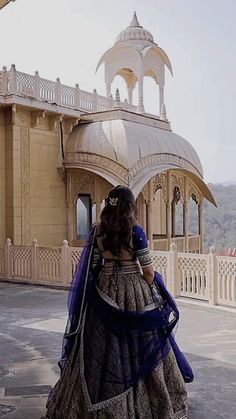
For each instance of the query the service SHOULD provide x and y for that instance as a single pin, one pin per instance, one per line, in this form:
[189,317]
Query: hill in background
[220,222]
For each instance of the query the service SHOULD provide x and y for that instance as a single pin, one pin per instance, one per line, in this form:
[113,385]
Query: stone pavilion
[62,149]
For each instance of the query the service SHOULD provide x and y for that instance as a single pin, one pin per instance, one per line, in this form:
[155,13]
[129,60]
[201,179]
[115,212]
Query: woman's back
[119,369]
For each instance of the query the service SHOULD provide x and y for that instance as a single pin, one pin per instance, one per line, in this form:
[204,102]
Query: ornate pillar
[168,211]
[173,205]
[25,185]
[70,210]
[98,210]
[140,107]
[200,225]
[71,222]
[17,157]
[144,218]
[130,95]
[185,221]
[108,89]
[149,214]
[161,98]
[149,224]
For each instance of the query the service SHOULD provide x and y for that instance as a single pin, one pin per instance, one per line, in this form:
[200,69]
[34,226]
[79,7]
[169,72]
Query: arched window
[85,216]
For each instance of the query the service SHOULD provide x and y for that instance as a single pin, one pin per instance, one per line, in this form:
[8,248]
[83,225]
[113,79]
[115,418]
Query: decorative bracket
[36,117]
[69,124]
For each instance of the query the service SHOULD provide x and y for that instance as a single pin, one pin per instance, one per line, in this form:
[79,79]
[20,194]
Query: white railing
[42,265]
[226,284]
[193,275]
[160,263]
[53,92]
[2,261]
[206,277]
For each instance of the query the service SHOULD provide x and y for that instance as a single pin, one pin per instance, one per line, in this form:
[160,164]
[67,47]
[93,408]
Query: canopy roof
[124,149]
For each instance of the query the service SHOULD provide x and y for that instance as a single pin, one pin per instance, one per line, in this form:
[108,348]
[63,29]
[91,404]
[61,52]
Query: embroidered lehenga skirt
[160,395]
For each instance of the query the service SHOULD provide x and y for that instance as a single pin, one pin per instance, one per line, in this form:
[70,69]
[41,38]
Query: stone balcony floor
[32,321]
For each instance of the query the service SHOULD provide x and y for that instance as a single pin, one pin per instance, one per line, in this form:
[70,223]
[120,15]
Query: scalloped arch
[119,50]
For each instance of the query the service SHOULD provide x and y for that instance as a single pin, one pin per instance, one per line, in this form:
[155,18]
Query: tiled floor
[33,319]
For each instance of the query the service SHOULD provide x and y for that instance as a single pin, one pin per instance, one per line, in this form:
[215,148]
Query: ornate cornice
[78,159]
[155,159]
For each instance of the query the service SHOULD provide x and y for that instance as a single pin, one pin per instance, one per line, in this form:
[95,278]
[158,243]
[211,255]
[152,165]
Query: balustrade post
[36,85]
[64,263]
[173,278]
[95,100]
[34,261]
[212,277]
[77,96]
[7,253]
[58,92]
[4,80]
[12,80]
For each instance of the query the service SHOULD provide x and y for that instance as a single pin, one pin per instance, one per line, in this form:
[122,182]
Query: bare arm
[148,274]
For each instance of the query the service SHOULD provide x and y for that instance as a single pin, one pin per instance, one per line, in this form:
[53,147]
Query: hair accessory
[113,202]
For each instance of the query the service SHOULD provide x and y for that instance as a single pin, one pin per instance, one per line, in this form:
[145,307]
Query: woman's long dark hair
[117,219]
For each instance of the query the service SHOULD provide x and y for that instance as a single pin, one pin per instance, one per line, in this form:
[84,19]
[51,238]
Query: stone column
[98,210]
[130,95]
[173,205]
[149,224]
[71,212]
[17,147]
[161,98]
[140,107]
[144,215]
[71,215]
[200,225]
[108,89]
[185,221]
[168,210]
[3,178]
[25,185]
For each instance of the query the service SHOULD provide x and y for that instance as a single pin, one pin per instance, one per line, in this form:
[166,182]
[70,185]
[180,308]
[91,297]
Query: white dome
[134,32]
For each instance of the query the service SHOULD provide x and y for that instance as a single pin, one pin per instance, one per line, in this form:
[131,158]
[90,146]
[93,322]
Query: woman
[120,359]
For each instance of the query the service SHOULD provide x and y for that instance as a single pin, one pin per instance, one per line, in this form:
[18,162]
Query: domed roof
[128,143]
[124,149]
[135,32]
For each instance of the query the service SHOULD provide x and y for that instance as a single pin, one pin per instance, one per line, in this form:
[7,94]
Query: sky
[66,38]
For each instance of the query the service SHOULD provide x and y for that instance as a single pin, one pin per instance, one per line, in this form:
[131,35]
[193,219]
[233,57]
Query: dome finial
[135,21]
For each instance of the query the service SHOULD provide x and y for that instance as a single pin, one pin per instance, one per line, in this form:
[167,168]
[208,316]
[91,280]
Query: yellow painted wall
[2,179]
[48,214]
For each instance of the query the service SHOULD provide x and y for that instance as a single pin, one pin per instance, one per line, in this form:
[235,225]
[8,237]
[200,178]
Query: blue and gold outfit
[120,359]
